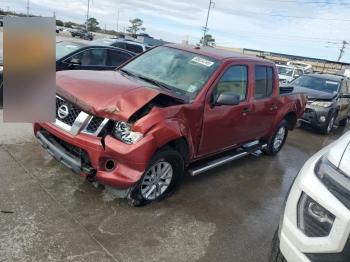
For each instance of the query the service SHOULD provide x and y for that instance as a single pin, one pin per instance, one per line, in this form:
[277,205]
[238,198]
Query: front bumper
[313,116]
[294,244]
[130,160]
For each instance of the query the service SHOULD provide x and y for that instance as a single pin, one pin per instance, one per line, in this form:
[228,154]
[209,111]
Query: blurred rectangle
[29,69]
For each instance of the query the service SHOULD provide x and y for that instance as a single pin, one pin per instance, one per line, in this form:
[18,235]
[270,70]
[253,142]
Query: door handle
[273,107]
[245,110]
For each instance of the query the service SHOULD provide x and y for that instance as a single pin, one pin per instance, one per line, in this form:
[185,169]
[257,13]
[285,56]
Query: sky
[312,28]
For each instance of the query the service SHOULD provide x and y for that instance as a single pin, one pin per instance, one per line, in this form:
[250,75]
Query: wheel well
[291,118]
[180,145]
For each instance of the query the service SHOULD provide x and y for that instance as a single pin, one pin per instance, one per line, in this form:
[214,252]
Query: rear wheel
[278,139]
[160,179]
[344,122]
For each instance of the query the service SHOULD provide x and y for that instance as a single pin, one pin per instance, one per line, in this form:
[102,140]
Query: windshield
[316,83]
[181,71]
[286,71]
[64,48]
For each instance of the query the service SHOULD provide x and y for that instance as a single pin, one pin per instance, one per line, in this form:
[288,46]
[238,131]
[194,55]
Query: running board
[252,148]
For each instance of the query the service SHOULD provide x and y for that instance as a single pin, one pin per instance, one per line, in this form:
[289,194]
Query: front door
[225,126]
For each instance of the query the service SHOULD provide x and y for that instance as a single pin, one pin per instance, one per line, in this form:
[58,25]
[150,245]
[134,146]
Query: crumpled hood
[106,94]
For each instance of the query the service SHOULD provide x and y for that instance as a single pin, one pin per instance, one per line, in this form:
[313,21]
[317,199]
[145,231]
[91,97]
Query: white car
[316,221]
[288,73]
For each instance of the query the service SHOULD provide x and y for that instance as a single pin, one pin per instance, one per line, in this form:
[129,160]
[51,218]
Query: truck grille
[94,124]
[73,120]
[72,109]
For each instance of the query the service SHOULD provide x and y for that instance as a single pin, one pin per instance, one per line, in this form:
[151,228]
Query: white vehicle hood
[339,154]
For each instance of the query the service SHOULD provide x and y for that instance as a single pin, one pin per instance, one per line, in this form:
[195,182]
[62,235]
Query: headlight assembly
[322,103]
[313,219]
[122,131]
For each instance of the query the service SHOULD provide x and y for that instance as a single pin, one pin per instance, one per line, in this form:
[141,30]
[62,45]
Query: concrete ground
[229,214]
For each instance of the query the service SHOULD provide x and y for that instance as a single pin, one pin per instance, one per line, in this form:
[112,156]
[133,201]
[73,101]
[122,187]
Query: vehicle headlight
[122,131]
[321,103]
[313,219]
[1,68]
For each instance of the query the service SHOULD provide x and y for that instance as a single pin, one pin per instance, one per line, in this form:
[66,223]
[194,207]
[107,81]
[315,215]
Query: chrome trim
[216,163]
[80,122]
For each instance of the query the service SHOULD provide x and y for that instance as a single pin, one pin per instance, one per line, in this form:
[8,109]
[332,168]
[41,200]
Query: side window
[348,84]
[90,57]
[264,81]
[119,44]
[235,79]
[116,58]
[134,48]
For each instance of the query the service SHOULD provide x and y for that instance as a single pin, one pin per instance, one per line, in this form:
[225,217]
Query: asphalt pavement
[228,214]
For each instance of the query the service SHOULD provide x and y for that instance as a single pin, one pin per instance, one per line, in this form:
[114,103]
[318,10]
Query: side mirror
[228,98]
[345,95]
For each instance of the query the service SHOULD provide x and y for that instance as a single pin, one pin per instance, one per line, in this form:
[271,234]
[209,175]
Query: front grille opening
[94,124]
[72,109]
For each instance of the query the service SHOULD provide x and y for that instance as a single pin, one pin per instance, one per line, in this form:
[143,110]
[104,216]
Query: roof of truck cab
[219,54]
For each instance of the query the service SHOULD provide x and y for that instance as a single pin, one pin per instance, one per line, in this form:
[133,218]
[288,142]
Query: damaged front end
[109,151]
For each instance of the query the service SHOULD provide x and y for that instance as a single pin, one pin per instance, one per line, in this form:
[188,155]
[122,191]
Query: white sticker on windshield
[331,83]
[202,61]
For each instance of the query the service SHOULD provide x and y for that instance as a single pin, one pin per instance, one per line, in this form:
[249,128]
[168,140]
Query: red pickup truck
[171,109]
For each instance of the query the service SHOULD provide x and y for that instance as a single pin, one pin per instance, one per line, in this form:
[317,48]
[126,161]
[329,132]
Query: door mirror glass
[228,98]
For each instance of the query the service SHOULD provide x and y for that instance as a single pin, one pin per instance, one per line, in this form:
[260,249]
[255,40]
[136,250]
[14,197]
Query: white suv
[316,222]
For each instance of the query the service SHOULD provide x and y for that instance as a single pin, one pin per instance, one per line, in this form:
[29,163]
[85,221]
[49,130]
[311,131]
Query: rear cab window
[264,81]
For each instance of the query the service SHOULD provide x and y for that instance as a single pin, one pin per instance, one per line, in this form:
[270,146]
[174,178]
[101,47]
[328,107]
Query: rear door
[344,103]
[265,102]
[226,126]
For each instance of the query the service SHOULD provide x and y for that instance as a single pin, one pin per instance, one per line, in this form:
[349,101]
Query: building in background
[318,65]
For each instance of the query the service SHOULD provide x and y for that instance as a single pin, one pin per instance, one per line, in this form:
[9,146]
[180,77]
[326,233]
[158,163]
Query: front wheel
[278,139]
[160,179]
[328,128]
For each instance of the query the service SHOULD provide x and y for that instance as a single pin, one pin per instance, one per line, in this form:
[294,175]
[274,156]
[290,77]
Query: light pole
[205,28]
[87,15]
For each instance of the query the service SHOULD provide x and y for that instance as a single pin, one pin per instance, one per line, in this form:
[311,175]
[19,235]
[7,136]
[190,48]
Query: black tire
[169,156]
[344,122]
[330,124]
[270,148]
[276,255]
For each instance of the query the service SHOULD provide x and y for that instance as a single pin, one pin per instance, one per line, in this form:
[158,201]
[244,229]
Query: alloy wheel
[279,138]
[157,180]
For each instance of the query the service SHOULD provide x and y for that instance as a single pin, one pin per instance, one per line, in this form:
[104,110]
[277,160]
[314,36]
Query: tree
[59,22]
[208,40]
[136,26]
[92,24]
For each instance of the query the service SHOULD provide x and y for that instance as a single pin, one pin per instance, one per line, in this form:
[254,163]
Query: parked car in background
[80,56]
[315,225]
[287,74]
[139,127]
[307,68]
[328,100]
[2,20]
[83,34]
[123,44]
